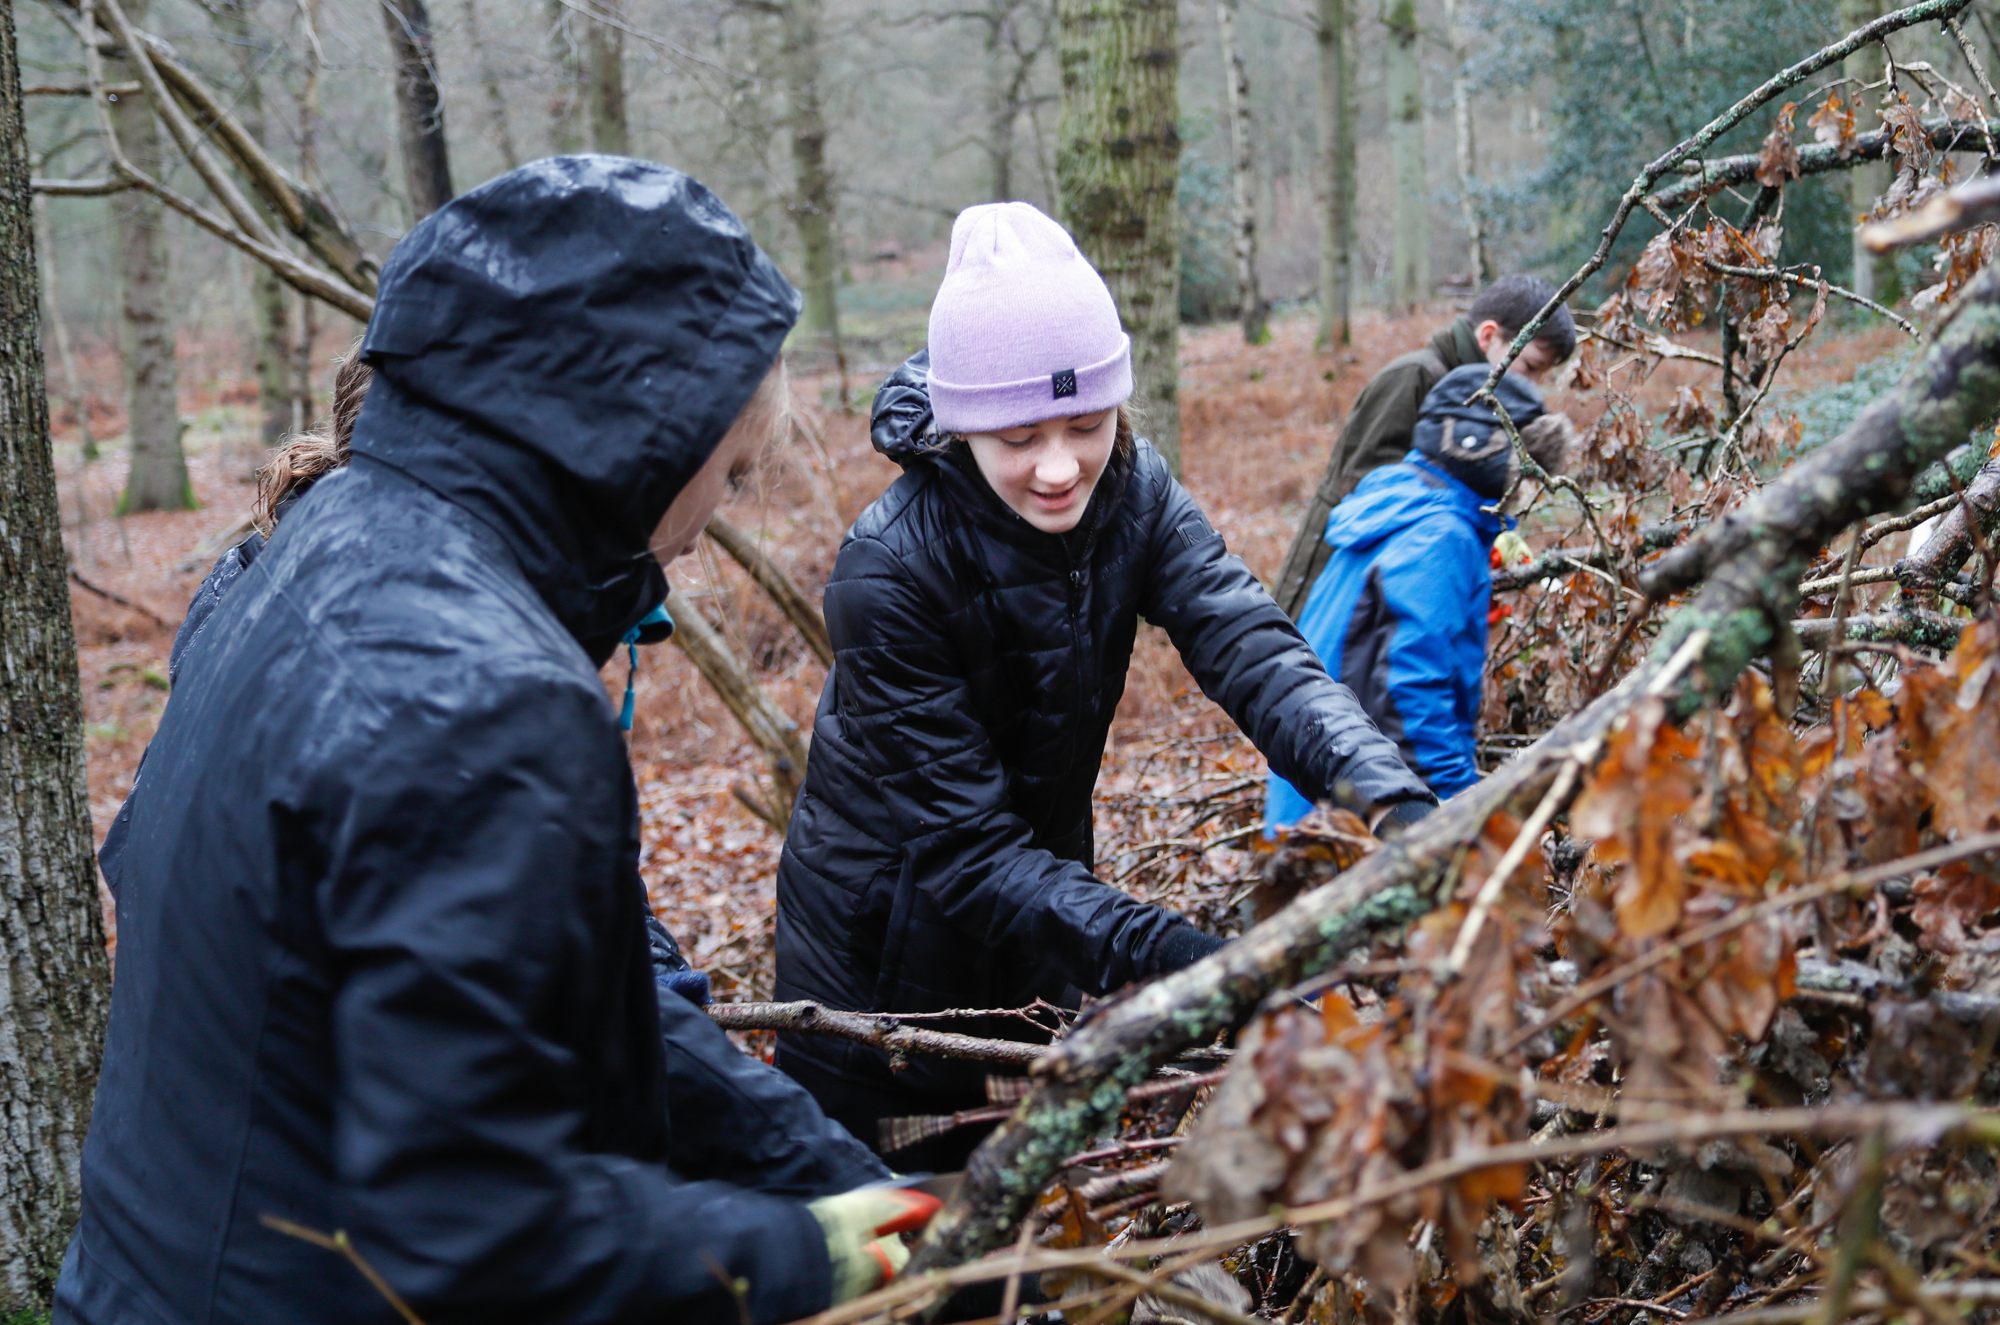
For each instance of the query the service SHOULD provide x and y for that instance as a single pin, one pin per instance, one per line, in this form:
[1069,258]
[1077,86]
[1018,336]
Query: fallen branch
[1926,630]
[121,600]
[772,579]
[81,188]
[877,1030]
[773,730]
[1901,1123]
[1972,203]
[1950,544]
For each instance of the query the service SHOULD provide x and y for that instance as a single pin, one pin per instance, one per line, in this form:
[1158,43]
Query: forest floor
[1258,425]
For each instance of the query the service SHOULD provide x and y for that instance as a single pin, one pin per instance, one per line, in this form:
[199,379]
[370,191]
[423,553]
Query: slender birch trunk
[1410,269]
[1334,34]
[1250,309]
[1467,152]
[1874,275]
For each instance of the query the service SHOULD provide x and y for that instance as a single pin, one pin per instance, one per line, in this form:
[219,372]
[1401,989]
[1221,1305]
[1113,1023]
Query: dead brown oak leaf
[1778,158]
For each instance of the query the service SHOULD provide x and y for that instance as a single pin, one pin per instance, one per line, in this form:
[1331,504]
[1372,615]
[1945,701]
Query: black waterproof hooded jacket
[940,853]
[383,956]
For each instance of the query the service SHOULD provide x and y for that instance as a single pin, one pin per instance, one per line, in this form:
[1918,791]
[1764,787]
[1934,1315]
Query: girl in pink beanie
[983,611]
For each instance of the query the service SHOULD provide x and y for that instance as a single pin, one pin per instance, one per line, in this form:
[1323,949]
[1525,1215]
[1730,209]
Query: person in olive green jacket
[1380,428]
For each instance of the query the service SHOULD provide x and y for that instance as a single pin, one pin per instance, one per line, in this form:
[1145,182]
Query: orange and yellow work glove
[861,1230]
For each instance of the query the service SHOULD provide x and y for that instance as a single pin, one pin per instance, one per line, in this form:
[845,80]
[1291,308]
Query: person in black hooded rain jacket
[730,1116]
[982,622]
[384,958]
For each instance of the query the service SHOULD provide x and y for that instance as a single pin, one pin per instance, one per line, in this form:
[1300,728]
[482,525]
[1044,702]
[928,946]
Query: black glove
[1401,816]
[1183,945]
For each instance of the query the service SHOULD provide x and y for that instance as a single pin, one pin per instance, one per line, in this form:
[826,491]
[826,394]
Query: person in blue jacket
[1399,613]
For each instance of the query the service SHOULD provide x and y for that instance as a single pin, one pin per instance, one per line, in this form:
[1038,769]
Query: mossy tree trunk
[1250,309]
[1410,261]
[419,107]
[1117,165]
[812,203]
[158,477]
[54,986]
[1334,33]
[610,130]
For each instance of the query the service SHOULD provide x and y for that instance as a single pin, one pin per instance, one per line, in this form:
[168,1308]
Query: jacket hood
[558,352]
[900,424]
[1394,497]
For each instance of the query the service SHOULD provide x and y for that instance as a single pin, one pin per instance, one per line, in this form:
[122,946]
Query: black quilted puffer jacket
[940,853]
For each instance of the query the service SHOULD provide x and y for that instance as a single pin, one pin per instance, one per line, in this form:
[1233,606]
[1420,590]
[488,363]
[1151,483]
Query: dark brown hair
[307,457]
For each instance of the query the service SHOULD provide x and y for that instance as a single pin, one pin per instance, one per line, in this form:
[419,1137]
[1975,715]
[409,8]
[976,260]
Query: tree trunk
[158,477]
[1874,275]
[54,985]
[1480,267]
[1410,270]
[1003,103]
[566,116]
[1118,151]
[609,131]
[812,187]
[1250,309]
[419,108]
[1334,33]
[270,302]
[496,100]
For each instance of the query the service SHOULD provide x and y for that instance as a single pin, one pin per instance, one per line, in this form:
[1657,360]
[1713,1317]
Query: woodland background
[1686,1011]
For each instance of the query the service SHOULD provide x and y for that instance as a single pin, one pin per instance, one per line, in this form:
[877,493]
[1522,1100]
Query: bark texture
[1250,307]
[1334,33]
[1117,166]
[54,986]
[1874,275]
[270,307]
[158,477]
[1410,259]
[609,129]
[419,108]
[566,115]
[489,82]
[1751,562]
[812,179]
[1477,265]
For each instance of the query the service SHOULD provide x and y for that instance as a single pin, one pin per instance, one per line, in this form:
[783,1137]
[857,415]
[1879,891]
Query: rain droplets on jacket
[383,960]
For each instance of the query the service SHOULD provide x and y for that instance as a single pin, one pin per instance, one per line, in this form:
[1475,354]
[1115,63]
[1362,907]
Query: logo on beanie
[1064,382]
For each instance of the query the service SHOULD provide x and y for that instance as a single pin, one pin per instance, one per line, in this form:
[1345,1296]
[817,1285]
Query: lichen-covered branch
[1819,158]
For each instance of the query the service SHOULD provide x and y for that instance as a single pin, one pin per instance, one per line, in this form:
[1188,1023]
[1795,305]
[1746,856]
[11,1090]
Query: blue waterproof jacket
[1399,616]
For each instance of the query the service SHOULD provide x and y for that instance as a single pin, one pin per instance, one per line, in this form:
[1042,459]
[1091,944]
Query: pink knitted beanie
[1023,328]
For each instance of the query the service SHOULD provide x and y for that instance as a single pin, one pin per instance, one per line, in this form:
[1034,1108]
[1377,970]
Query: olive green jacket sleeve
[1377,433]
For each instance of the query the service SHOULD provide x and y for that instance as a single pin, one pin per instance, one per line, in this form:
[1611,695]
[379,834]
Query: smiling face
[1046,471]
